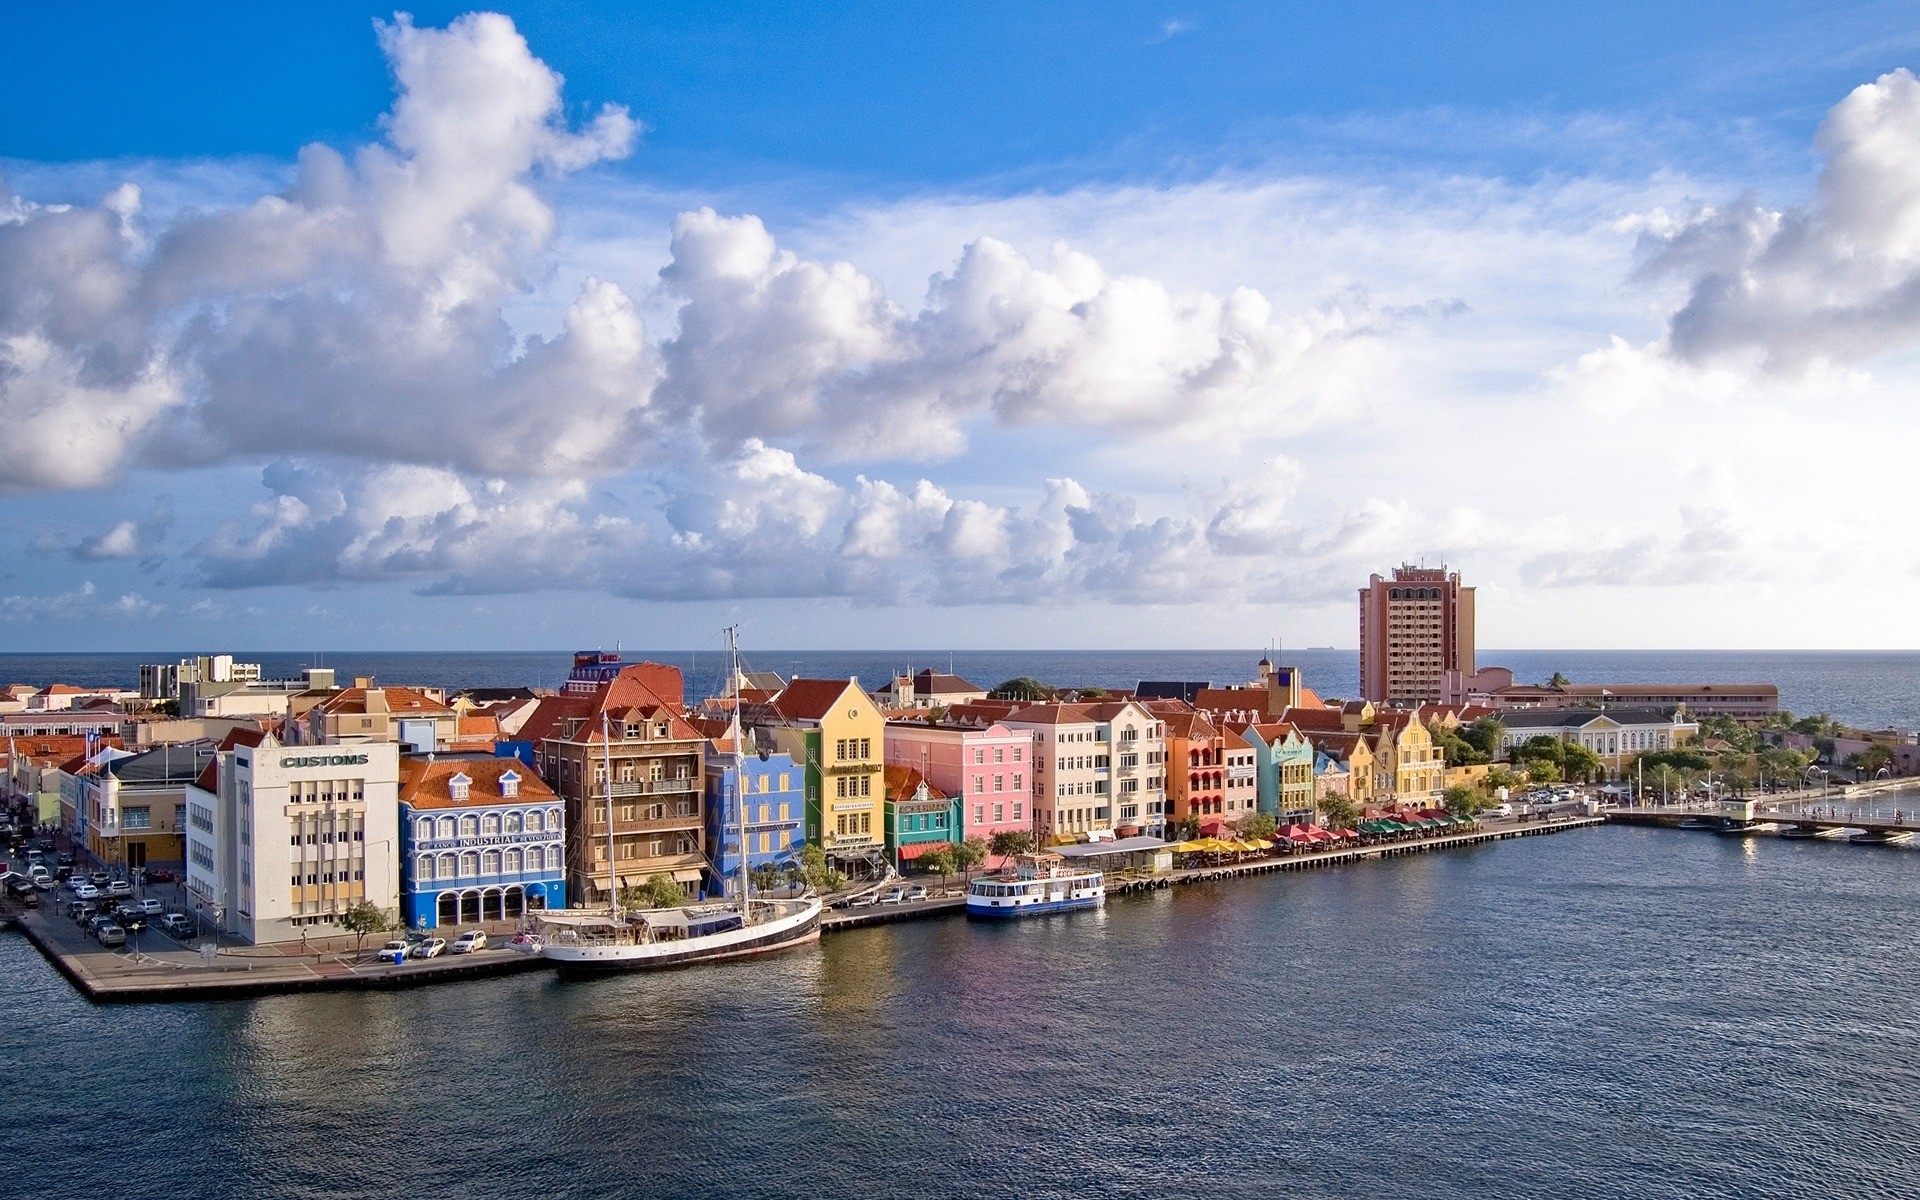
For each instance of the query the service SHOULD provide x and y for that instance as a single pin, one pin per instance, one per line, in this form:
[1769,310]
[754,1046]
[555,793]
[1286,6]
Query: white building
[1615,735]
[163,681]
[1099,769]
[282,840]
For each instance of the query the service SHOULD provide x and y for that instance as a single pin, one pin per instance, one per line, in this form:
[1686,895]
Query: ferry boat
[596,942]
[1038,883]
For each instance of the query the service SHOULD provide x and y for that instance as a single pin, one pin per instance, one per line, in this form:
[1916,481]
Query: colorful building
[1099,769]
[920,817]
[836,732]
[628,766]
[481,839]
[1283,764]
[130,809]
[988,770]
[775,795]
[1196,765]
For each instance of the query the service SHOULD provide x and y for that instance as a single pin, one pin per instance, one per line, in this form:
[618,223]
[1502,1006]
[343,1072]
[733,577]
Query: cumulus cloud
[358,313]
[773,345]
[1711,544]
[1835,280]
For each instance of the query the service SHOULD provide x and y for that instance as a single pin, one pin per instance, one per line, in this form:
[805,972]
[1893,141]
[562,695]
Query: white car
[394,952]
[893,895]
[430,948]
[85,891]
[468,942]
[1497,811]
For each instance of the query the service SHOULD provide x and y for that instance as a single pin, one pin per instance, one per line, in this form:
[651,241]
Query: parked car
[177,926]
[468,942]
[149,907]
[1497,811]
[395,951]
[893,895]
[429,948]
[64,858]
[85,891]
[110,935]
[863,900]
[917,892]
[76,909]
[160,875]
[119,887]
[99,921]
[99,879]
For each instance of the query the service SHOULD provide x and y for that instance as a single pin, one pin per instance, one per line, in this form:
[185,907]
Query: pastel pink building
[990,769]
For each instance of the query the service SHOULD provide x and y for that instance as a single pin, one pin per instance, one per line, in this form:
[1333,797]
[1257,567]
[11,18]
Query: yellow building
[837,731]
[1406,764]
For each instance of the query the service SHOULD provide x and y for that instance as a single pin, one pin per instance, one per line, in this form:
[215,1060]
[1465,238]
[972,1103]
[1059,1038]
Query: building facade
[1616,735]
[1414,628]
[629,768]
[282,840]
[773,789]
[1099,769]
[919,816]
[129,809]
[481,839]
[989,771]
[836,732]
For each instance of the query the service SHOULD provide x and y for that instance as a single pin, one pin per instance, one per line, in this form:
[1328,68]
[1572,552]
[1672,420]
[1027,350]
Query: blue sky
[1101,324]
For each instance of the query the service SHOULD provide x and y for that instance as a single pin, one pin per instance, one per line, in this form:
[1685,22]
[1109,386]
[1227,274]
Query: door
[136,855]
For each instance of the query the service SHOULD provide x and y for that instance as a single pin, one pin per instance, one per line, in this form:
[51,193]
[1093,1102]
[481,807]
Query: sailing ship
[592,942]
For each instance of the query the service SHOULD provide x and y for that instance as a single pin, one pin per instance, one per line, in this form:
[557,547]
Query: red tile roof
[399,700]
[903,782]
[424,782]
[811,699]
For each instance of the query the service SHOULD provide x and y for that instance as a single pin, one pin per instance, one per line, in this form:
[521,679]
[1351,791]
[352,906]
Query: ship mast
[613,864]
[739,772]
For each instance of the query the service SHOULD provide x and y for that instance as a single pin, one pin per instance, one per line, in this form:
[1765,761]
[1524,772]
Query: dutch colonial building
[989,770]
[920,817]
[130,809]
[1196,766]
[481,839]
[1099,769]
[418,721]
[625,753]
[773,788]
[1616,735]
[1283,758]
[836,732]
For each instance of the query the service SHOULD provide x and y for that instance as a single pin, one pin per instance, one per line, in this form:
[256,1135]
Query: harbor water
[1609,1012]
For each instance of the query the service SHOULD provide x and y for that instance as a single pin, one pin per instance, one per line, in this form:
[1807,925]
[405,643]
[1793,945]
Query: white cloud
[84,603]
[1834,280]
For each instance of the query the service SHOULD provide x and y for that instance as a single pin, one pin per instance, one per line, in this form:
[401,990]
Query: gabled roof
[1305,719]
[1341,745]
[424,781]
[1575,718]
[1234,699]
[812,699]
[903,782]
[931,683]
[1049,713]
[399,701]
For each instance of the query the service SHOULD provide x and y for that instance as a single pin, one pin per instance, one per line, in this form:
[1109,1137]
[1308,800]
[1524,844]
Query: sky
[955,325]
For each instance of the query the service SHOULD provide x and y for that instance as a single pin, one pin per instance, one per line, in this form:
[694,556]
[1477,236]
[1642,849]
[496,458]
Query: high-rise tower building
[1414,628]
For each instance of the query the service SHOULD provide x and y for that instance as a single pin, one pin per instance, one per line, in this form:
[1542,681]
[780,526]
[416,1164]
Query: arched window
[512,822]
[423,872]
[447,868]
[553,820]
[423,829]
[490,825]
[490,863]
[446,828]
[536,859]
[469,826]
[469,864]
[513,862]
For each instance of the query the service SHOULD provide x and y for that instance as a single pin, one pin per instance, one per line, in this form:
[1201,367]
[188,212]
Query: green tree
[1542,770]
[1870,760]
[940,862]
[1737,736]
[1011,841]
[937,714]
[1500,777]
[1339,811]
[1189,828]
[1681,760]
[1020,687]
[1580,763]
[969,854]
[1093,693]
[362,918]
[659,891]
[1558,680]
[1821,726]
[1258,826]
[1462,801]
[167,708]
[814,871]
[1484,736]
[1778,762]
[765,877]
[1456,750]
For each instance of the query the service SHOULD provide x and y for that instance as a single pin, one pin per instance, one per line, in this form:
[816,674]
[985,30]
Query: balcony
[652,787]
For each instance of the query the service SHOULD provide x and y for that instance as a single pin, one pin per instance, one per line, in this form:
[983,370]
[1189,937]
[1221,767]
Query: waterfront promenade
[159,970]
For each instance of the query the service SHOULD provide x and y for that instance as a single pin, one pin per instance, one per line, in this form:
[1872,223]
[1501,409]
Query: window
[537,858]
[510,785]
[840,750]
[1016,753]
[512,822]
[866,748]
[999,783]
[469,826]
[979,783]
[457,787]
[490,825]
[136,818]
[784,786]
[783,813]
[979,814]
[490,863]
[1016,810]
[512,862]
[866,822]
[999,754]
[866,785]
[1018,783]
[979,755]
[840,787]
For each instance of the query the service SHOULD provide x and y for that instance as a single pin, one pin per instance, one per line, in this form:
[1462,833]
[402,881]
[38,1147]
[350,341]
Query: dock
[161,971]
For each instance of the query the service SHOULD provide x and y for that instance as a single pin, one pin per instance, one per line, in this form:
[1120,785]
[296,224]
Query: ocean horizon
[1872,689]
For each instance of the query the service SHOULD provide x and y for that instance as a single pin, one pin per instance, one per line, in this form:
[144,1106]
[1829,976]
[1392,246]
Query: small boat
[1745,828]
[1800,831]
[1038,884]
[1881,837]
[1700,823]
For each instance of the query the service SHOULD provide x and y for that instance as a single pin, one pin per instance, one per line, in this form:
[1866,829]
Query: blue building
[776,814]
[481,839]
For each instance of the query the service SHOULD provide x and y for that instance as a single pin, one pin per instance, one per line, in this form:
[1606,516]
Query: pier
[160,970]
